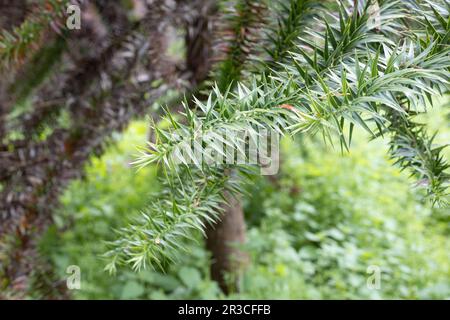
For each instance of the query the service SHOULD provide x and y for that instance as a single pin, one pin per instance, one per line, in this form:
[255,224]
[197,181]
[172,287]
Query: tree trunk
[101,94]
[222,241]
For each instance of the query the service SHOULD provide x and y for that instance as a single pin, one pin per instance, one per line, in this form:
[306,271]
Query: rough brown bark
[223,240]
[33,173]
[13,13]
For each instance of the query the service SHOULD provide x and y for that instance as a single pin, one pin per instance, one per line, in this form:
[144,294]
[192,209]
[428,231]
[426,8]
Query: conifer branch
[16,46]
[363,68]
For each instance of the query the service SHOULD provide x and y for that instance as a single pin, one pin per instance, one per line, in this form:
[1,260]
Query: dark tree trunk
[223,239]
[13,13]
[33,172]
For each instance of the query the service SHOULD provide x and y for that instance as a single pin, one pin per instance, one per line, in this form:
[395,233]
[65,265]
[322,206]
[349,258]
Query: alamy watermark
[73,21]
[73,281]
[374,280]
[258,147]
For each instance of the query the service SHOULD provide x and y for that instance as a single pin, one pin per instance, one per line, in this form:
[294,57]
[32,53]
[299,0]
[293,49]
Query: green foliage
[334,216]
[311,235]
[107,198]
[412,147]
[173,216]
[113,192]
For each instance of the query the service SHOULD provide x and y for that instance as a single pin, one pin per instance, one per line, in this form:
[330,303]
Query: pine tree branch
[15,46]
[360,70]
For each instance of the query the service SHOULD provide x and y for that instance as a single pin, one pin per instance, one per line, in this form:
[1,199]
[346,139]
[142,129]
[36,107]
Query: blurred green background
[313,230]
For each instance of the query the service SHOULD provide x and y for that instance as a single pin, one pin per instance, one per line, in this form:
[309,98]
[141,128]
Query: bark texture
[223,241]
[101,91]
